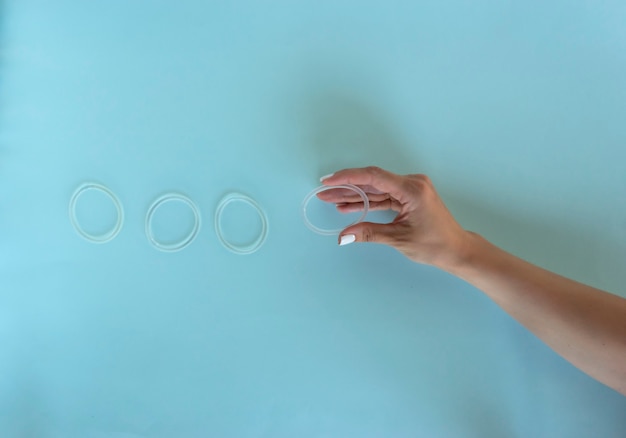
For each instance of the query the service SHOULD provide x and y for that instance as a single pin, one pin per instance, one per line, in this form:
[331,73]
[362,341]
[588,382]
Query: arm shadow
[583,255]
[345,130]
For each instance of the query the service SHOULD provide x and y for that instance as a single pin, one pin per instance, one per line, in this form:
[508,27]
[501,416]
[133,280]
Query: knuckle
[425,179]
[367,234]
[421,179]
[419,184]
[373,170]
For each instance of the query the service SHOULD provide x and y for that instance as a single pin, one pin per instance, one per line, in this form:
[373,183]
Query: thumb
[368,232]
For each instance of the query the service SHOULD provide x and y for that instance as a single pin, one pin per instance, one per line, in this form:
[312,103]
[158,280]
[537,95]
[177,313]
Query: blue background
[516,109]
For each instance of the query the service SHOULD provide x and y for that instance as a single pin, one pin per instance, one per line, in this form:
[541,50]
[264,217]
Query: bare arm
[585,325]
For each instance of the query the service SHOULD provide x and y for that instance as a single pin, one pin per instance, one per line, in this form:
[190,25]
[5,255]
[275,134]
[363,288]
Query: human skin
[585,325]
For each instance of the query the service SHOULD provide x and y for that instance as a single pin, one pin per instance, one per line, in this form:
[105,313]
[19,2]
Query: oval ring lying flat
[186,241]
[108,236]
[240,249]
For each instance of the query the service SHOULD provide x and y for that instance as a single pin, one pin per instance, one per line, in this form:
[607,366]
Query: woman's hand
[585,325]
[423,230]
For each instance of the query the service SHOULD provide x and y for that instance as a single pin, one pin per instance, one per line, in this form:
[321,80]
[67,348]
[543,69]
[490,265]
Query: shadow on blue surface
[346,131]
[584,255]
[587,256]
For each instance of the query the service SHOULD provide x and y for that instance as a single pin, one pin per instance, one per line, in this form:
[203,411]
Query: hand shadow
[583,255]
[345,131]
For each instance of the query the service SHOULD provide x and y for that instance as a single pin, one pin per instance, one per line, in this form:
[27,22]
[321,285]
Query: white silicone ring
[322,231]
[186,241]
[240,249]
[108,236]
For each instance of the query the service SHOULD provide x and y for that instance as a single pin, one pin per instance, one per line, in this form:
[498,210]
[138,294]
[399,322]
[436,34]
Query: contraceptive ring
[240,249]
[186,241]
[320,189]
[108,236]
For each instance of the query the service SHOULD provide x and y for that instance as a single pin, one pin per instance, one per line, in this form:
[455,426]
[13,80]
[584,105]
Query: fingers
[369,232]
[342,196]
[385,191]
[379,179]
[355,207]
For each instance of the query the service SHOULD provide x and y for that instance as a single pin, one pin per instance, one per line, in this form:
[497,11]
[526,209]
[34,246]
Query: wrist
[462,253]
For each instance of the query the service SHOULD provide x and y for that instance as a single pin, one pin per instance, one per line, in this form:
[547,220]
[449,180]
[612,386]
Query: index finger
[375,177]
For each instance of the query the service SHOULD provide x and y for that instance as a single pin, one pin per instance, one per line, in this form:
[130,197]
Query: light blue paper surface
[517,110]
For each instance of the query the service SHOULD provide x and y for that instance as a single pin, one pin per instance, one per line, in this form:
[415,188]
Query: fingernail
[347,239]
[326,176]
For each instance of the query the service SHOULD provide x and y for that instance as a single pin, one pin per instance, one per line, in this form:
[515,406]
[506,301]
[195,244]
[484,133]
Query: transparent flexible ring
[186,241]
[240,249]
[108,236]
[322,231]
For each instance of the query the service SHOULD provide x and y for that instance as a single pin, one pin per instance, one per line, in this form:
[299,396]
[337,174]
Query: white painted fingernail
[326,176]
[347,239]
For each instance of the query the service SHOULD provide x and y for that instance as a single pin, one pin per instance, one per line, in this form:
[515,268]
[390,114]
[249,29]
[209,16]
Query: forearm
[585,325]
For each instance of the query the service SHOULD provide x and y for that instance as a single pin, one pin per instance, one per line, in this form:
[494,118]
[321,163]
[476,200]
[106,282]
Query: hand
[423,230]
[585,325]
